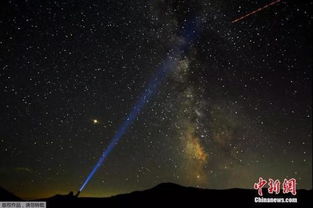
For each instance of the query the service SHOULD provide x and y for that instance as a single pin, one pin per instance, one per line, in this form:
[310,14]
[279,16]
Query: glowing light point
[95,121]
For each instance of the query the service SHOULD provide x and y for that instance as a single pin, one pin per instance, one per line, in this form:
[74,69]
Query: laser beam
[188,33]
[256,11]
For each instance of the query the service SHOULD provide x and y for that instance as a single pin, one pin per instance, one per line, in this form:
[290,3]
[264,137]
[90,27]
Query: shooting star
[256,11]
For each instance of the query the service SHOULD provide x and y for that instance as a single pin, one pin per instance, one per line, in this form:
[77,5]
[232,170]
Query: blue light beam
[153,85]
[188,34]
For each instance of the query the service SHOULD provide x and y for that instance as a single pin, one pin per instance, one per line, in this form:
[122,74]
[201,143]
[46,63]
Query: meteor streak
[256,11]
[188,33]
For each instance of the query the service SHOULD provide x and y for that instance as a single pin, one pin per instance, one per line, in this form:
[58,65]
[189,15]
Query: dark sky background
[237,105]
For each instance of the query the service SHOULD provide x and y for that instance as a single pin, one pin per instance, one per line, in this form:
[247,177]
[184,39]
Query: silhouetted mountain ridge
[170,194]
[7,196]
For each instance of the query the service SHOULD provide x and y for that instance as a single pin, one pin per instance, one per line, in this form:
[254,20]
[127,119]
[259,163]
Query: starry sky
[236,105]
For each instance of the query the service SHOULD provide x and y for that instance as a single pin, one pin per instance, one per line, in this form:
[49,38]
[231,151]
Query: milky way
[235,106]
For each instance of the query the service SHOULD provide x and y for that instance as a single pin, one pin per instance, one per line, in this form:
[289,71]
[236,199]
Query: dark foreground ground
[172,195]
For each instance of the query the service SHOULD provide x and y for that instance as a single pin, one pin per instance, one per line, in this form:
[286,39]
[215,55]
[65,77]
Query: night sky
[236,106]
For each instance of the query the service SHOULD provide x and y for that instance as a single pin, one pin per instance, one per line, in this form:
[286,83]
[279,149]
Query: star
[236,93]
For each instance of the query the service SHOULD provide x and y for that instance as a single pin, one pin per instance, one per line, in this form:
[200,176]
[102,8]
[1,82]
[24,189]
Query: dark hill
[7,196]
[173,195]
